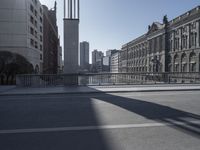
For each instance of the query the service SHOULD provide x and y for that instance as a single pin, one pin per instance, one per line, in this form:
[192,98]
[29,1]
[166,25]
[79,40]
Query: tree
[165,20]
[12,64]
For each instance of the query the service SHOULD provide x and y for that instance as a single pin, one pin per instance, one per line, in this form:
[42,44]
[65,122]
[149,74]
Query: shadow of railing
[178,119]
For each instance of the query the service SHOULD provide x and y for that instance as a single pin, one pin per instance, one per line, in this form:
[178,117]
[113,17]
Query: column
[188,39]
[198,33]
[198,63]
[180,38]
[188,62]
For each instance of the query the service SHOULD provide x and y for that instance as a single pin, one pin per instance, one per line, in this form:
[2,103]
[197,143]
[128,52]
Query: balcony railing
[105,79]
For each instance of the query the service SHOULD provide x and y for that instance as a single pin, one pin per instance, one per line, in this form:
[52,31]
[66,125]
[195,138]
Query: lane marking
[87,128]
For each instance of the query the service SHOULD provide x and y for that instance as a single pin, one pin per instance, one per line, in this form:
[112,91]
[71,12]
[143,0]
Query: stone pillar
[71,38]
[198,33]
[173,41]
[172,63]
[198,61]
[180,38]
[188,62]
[188,39]
[179,61]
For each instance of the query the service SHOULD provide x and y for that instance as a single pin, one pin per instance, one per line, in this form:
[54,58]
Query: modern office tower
[21,30]
[84,55]
[96,56]
[97,61]
[71,36]
[50,40]
[114,68]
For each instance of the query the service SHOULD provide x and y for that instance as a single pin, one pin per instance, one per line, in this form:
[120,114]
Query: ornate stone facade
[173,46]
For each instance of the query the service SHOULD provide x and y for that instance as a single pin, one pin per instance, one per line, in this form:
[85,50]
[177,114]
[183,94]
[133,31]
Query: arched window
[193,62]
[176,63]
[37,69]
[184,63]
[169,60]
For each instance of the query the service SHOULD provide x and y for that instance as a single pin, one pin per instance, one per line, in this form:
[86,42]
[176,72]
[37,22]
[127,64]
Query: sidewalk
[12,90]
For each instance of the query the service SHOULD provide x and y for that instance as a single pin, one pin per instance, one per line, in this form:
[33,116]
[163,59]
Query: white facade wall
[15,26]
[115,63]
[71,44]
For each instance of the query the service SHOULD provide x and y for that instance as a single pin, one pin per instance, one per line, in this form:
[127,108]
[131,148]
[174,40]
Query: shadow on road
[178,119]
[69,111]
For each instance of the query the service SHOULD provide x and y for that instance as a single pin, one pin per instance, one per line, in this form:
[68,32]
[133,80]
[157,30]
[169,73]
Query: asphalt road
[122,121]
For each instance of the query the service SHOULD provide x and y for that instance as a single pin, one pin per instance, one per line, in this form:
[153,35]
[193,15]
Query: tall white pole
[64,8]
[78,9]
[75,9]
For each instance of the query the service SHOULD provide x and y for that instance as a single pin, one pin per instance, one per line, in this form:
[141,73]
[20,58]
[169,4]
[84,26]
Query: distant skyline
[108,24]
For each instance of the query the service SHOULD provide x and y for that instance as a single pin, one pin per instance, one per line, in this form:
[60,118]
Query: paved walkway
[13,90]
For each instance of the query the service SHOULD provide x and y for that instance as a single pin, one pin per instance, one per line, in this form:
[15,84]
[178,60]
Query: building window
[176,63]
[36,36]
[36,44]
[31,31]
[36,13]
[193,25]
[40,10]
[193,38]
[176,43]
[40,29]
[31,19]
[31,8]
[41,38]
[41,19]
[184,63]
[41,47]
[192,62]
[32,42]
[184,41]
[40,56]
[35,23]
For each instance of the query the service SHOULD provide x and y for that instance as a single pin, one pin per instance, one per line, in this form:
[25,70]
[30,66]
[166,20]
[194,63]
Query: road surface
[120,121]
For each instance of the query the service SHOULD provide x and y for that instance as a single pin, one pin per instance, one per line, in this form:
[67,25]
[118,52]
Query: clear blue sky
[108,24]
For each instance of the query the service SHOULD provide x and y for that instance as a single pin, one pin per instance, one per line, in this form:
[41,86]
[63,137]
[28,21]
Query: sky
[108,24]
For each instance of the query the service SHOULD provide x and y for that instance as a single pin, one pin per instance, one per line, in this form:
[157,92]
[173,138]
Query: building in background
[60,62]
[21,30]
[107,60]
[51,46]
[114,67]
[84,56]
[170,46]
[111,52]
[96,56]
[105,64]
[97,60]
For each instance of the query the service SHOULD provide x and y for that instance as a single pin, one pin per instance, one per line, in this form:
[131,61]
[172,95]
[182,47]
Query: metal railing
[105,79]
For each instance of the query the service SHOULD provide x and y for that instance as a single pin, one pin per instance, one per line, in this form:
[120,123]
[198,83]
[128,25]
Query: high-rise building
[21,30]
[84,55]
[50,40]
[114,68]
[96,56]
[97,61]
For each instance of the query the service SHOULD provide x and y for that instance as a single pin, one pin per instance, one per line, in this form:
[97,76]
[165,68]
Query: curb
[97,92]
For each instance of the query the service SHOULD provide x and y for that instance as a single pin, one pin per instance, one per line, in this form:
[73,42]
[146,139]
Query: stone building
[170,46]
[21,30]
[51,41]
